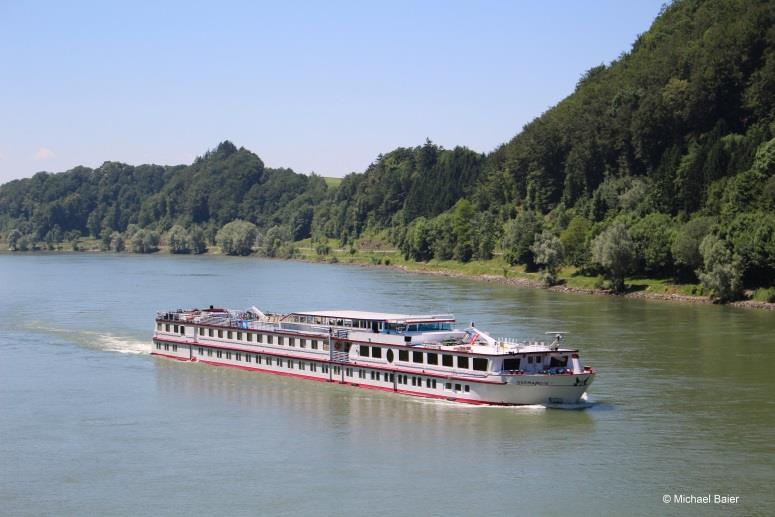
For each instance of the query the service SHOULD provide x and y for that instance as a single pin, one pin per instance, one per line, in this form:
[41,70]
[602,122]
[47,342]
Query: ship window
[158,346]
[228,355]
[558,362]
[392,377]
[508,364]
[414,381]
[462,362]
[158,326]
[219,353]
[259,338]
[348,372]
[280,340]
[210,332]
[303,343]
[166,327]
[446,360]
[301,365]
[248,358]
[269,339]
[201,331]
[403,355]
[239,336]
[427,383]
[182,329]
[175,329]
[433,358]
[210,352]
[174,348]
[166,346]
[238,356]
[220,333]
[457,387]
[376,352]
[325,345]
[448,386]
[229,334]
[324,368]
[290,364]
[364,351]
[530,359]
[467,388]
[201,351]
[258,359]
[249,336]
[433,384]
[480,364]
[417,357]
[279,361]
[314,344]
[291,341]
[313,367]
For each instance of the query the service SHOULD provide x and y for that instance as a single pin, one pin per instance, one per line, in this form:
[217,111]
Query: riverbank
[495,270]
[499,271]
[634,290]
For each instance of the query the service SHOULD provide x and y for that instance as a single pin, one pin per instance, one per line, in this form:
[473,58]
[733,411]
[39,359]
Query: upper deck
[423,331]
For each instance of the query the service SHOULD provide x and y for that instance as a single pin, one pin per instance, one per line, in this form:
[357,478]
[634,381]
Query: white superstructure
[421,355]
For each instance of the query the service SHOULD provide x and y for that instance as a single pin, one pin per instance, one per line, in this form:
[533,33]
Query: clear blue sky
[322,86]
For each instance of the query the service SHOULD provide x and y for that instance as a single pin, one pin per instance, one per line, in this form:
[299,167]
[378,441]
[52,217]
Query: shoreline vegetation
[655,177]
[495,270]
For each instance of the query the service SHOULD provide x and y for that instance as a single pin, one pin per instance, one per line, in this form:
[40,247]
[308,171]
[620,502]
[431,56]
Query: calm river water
[91,424]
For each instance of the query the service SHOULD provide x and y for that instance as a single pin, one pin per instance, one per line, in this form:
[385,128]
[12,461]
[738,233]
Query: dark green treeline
[660,164]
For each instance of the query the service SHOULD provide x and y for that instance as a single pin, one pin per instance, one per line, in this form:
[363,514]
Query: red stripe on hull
[336,381]
[186,359]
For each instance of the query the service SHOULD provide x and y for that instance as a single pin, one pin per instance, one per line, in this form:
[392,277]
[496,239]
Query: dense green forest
[659,164]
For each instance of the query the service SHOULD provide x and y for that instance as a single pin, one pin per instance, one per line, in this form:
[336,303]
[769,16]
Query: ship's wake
[96,340]
[584,403]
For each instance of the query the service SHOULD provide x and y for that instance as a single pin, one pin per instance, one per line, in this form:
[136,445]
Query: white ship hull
[431,382]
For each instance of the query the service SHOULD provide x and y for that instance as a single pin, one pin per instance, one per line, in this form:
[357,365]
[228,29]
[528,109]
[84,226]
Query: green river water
[91,424]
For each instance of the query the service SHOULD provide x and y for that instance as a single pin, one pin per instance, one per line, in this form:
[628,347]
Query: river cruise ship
[420,355]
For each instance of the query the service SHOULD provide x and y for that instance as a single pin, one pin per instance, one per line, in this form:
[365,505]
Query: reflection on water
[357,408]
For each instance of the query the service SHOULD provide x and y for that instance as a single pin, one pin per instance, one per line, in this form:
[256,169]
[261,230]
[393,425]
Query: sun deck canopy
[376,316]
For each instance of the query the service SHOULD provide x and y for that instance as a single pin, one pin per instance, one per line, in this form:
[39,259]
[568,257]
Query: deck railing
[225,319]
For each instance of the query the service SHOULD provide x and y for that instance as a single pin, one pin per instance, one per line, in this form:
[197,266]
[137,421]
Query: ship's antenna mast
[558,334]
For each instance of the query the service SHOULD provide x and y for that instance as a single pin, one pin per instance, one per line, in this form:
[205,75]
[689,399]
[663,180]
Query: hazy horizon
[314,88]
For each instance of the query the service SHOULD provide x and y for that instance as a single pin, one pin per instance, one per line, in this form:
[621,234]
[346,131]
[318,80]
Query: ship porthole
[390,356]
